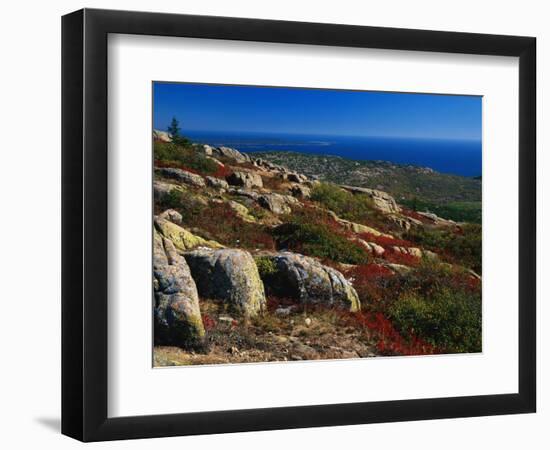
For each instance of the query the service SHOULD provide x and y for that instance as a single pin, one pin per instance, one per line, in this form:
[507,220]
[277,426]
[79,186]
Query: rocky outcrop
[181,238]
[182,176]
[177,317]
[160,189]
[276,203]
[436,220]
[229,275]
[411,251]
[241,211]
[357,227]
[400,269]
[245,179]
[244,193]
[300,191]
[381,200]
[308,281]
[404,222]
[217,183]
[171,215]
[231,153]
[296,177]
[371,247]
[161,136]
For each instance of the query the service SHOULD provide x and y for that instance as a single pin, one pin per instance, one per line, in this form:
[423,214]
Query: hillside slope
[254,261]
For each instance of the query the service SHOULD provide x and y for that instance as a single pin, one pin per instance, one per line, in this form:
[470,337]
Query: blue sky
[218,108]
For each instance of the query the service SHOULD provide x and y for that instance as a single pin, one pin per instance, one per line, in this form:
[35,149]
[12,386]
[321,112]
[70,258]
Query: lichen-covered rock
[371,247]
[404,222]
[308,281]
[358,227]
[177,316]
[411,251]
[398,268]
[160,189]
[436,220]
[172,215]
[381,200]
[245,179]
[229,275]
[161,136]
[180,237]
[182,176]
[300,190]
[231,153]
[241,211]
[217,183]
[244,193]
[296,177]
[276,203]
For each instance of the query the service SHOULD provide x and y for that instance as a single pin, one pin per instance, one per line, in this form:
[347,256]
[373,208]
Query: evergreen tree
[174,129]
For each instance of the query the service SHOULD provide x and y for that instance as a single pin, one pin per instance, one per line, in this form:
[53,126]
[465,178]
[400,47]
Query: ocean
[458,157]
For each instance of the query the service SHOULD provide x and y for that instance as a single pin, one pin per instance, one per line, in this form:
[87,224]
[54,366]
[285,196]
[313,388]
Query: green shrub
[465,211]
[184,155]
[266,266]
[320,241]
[172,200]
[354,207]
[462,247]
[448,319]
[184,202]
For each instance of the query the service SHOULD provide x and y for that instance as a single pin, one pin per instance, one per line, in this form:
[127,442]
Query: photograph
[298,224]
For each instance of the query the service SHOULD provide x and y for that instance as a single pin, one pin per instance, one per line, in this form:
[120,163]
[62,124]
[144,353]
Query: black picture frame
[84,224]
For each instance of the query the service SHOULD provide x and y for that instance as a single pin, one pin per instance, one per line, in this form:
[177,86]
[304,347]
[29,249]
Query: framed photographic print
[331,224]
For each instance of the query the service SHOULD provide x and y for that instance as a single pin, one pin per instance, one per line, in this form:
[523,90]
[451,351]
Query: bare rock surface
[160,189]
[381,200]
[217,183]
[276,203]
[177,315]
[308,281]
[245,179]
[162,136]
[182,176]
[229,275]
[171,215]
[181,238]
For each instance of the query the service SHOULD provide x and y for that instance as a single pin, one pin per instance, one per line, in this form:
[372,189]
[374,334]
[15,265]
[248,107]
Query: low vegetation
[184,157]
[424,305]
[356,208]
[315,239]
[462,246]
[457,211]
[434,303]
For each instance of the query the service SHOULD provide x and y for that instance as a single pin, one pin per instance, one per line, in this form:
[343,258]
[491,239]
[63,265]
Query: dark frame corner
[84,224]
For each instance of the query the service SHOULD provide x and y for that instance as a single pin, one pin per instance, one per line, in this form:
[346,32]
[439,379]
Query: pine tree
[174,129]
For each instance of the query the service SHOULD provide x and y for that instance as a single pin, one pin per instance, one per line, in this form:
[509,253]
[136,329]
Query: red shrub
[390,342]
[466,281]
[401,258]
[369,272]
[222,172]
[415,215]
[175,165]
[369,280]
[222,223]
[385,241]
[208,322]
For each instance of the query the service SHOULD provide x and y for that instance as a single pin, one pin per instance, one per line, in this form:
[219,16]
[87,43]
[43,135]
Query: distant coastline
[457,157]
